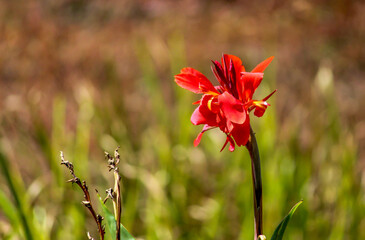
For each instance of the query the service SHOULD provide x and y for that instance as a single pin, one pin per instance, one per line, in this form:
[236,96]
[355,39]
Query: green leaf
[111,223]
[280,229]
[109,217]
[124,234]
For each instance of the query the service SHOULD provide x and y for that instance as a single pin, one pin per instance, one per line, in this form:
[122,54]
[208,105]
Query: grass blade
[280,229]
[17,200]
[9,210]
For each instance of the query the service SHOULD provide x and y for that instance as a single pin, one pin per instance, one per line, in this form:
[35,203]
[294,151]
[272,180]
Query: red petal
[241,132]
[235,69]
[232,108]
[260,108]
[225,144]
[268,96]
[250,81]
[261,67]
[231,144]
[199,137]
[210,102]
[194,81]
[237,62]
[202,115]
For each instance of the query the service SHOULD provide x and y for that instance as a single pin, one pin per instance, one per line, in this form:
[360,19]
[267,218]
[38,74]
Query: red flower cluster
[226,106]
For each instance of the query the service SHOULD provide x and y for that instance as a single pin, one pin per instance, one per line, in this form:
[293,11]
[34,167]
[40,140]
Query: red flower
[226,106]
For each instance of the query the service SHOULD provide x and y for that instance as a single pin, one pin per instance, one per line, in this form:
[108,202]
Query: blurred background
[87,76]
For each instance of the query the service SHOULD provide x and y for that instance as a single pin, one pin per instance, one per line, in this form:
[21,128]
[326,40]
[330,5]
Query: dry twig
[87,202]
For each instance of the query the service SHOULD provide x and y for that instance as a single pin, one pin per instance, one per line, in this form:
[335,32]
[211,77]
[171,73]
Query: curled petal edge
[199,137]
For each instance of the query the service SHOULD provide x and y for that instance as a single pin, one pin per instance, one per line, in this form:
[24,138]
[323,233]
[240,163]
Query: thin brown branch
[87,202]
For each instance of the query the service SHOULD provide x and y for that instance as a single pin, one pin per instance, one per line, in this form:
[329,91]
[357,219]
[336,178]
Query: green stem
[256,180]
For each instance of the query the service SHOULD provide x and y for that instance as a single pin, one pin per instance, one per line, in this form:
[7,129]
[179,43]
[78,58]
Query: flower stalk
[227,106]
[256,181]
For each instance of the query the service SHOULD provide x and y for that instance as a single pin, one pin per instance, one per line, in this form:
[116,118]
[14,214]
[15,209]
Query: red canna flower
[226,106]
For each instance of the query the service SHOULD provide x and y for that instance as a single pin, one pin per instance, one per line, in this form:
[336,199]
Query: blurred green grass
[171,189]
[175,191]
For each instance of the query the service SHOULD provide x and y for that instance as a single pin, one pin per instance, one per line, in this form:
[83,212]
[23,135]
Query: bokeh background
[87,76]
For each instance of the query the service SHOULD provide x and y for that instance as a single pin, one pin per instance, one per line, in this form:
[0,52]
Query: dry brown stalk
[87,202]
[116,192]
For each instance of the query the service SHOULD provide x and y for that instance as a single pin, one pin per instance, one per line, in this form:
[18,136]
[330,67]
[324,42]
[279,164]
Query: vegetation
[86,78]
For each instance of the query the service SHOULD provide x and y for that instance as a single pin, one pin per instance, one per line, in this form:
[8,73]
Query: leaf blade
[280,229]
[111,224]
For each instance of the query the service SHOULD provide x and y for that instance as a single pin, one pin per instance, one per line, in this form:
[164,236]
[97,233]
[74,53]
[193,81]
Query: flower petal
[199,137]
[250,81]
[237,62]
[261,67]
[241,132]
[232,108]
[194,81]
[268,96]
[202,115]
[231,144]
[219,74]
[260,107]
[211,102]
[232,66]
